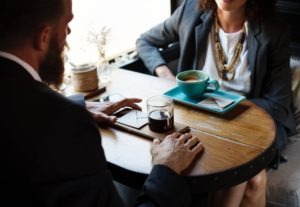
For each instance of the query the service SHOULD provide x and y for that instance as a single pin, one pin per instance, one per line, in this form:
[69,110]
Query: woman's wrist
[164,72]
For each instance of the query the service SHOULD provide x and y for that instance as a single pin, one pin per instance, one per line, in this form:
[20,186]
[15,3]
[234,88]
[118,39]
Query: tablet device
[131,117]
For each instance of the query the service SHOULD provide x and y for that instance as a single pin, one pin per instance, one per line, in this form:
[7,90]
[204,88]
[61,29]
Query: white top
[241,83]
[21,62]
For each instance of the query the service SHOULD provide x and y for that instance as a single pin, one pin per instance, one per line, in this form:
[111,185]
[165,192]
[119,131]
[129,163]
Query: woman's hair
[254,8]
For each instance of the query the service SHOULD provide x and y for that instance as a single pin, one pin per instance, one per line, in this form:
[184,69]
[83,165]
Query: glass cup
[160,111]
[104,71]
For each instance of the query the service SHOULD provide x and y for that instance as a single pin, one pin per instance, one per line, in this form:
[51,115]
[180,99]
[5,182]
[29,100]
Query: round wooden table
[238,144]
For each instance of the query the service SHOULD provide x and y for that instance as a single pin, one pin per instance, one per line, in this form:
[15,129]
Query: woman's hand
[164,72]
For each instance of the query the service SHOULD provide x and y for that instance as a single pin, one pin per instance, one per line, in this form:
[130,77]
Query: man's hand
[102,111]
[176,151]
[164,72]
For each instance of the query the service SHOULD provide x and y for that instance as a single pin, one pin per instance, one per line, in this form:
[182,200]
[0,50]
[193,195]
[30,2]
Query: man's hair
[256,9]
[20,19]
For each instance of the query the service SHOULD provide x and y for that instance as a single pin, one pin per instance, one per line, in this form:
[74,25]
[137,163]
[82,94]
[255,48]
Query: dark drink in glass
[160,110]
[160,121]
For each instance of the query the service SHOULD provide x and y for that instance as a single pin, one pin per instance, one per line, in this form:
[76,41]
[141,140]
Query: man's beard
[52,69]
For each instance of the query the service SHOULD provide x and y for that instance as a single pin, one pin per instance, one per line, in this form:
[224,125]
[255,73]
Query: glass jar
[84,77]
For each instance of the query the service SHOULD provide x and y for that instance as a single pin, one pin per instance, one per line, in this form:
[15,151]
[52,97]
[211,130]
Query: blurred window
[124,19]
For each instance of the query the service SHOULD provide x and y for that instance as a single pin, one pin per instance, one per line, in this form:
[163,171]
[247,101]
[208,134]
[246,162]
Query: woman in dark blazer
[209,30]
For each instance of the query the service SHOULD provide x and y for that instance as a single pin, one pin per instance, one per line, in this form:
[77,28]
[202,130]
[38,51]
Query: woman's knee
[258,182]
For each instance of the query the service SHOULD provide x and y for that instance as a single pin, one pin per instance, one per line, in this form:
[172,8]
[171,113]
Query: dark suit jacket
[268,57]
[51,154]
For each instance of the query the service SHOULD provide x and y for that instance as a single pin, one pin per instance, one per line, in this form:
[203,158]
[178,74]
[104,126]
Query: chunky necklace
[227,71]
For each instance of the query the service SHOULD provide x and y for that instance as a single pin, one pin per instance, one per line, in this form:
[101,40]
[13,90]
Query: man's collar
[21,62]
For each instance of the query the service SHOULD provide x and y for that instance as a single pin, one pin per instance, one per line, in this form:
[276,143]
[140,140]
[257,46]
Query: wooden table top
[237,144]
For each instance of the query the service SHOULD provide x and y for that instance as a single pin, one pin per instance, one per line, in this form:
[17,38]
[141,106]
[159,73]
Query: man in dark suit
[50,147]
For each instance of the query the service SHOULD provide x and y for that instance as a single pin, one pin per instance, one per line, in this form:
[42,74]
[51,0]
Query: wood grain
[232,141]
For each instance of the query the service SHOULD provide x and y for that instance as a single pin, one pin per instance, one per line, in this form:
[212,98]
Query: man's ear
[42,38]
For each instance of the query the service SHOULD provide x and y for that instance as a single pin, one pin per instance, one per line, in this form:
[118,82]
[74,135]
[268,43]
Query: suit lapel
[253,47]
[253,44]
[201,35]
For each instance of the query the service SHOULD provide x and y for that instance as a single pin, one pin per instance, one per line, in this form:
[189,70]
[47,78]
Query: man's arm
[164,186]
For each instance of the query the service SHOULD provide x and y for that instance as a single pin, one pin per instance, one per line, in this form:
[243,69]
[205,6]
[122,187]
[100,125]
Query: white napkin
[216,102]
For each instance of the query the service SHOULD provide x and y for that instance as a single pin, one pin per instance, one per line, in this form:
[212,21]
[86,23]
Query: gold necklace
[227,72]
